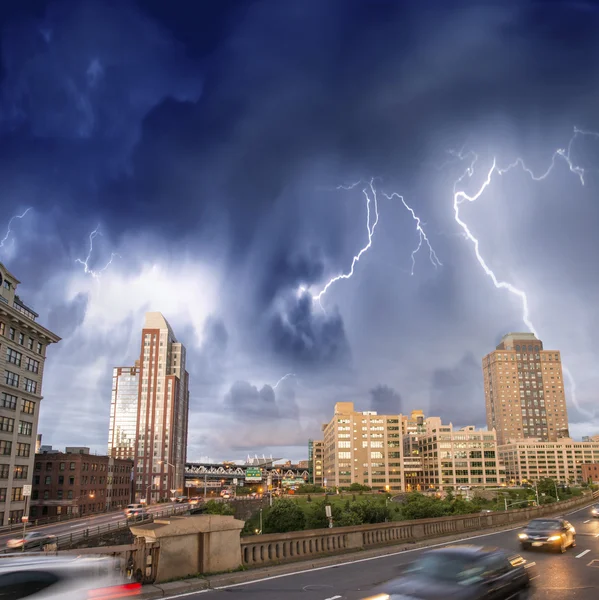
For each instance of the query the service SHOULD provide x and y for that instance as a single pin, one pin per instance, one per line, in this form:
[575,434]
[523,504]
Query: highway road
[77,525]
[570,576]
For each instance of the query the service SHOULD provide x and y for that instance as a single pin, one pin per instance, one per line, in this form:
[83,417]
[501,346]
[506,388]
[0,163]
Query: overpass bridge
[216,475]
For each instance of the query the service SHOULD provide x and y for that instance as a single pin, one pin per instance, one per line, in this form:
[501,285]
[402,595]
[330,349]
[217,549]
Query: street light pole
[165,462]
[556,494]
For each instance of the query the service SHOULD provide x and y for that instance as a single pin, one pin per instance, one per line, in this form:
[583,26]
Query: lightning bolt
[85,263]
[9,230]
[274,387]
[370,194]
[422,235]
[459,197]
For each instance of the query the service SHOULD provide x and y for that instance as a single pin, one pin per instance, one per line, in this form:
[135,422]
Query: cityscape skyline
[426,207]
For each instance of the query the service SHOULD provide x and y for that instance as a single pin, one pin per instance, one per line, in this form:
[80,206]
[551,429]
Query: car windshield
[446,567]
[544,524]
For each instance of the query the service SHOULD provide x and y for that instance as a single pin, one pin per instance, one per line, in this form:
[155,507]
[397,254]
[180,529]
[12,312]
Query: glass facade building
[123,412]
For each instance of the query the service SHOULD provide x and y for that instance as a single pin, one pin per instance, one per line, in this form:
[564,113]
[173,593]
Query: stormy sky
[214,147]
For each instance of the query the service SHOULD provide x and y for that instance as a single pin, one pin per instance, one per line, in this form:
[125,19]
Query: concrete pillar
[192,545]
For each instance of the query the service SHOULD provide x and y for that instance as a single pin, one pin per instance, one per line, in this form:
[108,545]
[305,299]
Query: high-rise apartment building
[524,390]
[23,344]
[362,447]
[162,412]
[123,412]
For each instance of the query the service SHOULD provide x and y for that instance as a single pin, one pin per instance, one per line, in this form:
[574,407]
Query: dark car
[553,533]
[461,573]
[31,540]
[595,511]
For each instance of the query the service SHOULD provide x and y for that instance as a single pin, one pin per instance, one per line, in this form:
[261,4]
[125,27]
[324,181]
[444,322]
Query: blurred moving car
[135,511]
[595,511]
[553,533]
[32,539]
[72,578]
[461,572]
[196,500]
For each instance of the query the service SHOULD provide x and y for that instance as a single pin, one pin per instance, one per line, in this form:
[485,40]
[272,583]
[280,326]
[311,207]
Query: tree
[418,506]
[284,516]
[219,508]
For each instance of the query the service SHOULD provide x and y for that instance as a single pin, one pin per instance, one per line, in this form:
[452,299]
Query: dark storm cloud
[246,401]
[457,394]
[385,400]
[307,338]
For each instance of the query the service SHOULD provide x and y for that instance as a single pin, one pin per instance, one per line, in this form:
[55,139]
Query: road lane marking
[78,525]
[334,598]
[587,521]
[582,553]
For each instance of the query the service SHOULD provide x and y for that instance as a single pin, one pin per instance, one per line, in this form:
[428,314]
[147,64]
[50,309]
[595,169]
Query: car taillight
[115,591]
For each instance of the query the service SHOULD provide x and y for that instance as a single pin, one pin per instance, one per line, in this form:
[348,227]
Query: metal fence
[68,540]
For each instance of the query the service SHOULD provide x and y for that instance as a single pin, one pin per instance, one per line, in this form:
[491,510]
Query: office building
[441,457]
[315,461]
[67,483]
[162,412]
[123,412]
[364,448]
[23,345]
[590,473]
[524,390]
[563,460]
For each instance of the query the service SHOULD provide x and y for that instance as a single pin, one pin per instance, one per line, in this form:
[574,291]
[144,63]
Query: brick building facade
[81,483]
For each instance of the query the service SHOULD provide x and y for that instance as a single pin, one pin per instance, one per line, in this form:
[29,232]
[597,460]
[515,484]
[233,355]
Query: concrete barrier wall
[262,550]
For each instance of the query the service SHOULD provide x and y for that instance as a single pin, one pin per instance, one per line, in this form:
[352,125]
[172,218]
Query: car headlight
[554,538]
[523,536]
[379,597]
[594,511]
[572,530]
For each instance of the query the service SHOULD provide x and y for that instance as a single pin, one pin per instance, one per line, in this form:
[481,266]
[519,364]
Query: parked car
[72,578]
[32,539]
[461,572]
[553,533]
[135,511]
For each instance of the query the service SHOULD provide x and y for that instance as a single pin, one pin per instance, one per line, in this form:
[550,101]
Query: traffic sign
[26,490]
[235,481]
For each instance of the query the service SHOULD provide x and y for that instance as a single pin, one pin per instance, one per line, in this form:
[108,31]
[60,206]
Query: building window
[2,328]
[32,365]
[35,494]
[71,481]
[16,494]
[46,495]
[59,494]
[39,348]
[48,480]
[5,447]
[70,495]
[8,401]
[21,338]
[7,424]
[30,385]
[4,471]
[71,466]
[2,494]
[25,428]
[61,480]
[15,516]
[11,378]
[20,472]
[23,449]
[14,357]
[30,343]
[28,406]
[48,466]
[11,333]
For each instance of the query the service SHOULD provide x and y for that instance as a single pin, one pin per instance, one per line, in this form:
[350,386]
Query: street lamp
[165,462]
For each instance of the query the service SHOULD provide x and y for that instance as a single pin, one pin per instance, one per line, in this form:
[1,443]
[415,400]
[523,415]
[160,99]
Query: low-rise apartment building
[561,460]
[590,473]
[79,483]
[363,447]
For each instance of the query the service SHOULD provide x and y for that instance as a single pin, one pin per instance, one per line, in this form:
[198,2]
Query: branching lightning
[89,271]
[8,228]
[422,235]
[372,205]
[461,196]
[274,387]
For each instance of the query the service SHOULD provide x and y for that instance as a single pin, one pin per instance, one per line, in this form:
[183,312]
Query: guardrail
[263,550]
[67,540]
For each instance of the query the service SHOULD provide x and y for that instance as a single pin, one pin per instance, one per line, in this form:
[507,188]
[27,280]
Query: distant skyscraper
[123,412]
[524,390]
[162,412]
